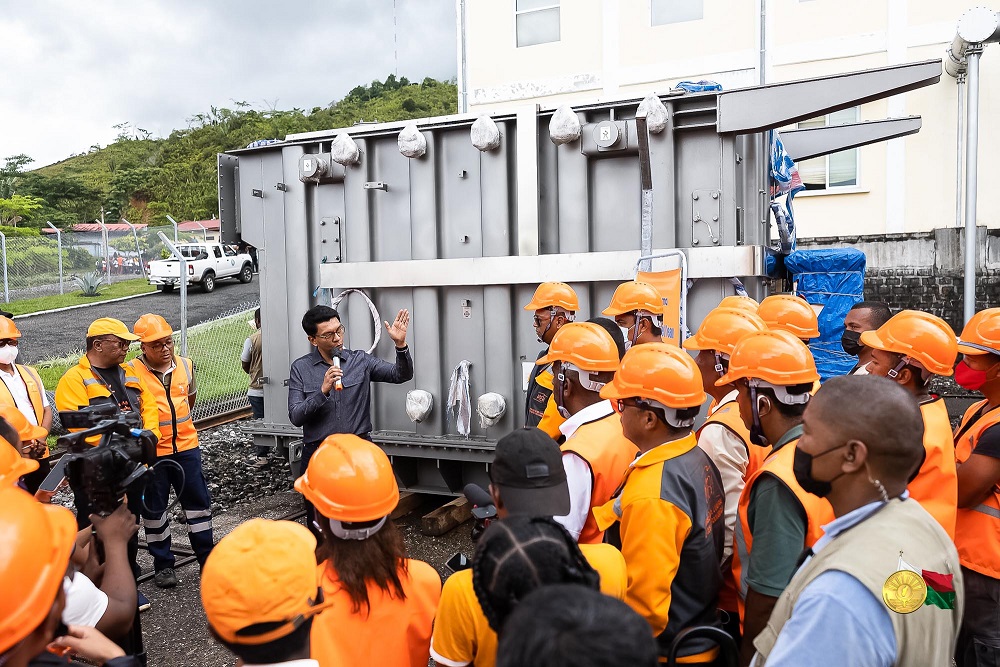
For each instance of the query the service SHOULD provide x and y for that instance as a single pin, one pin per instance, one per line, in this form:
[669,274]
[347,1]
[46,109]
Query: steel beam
[767,107]
[816,141]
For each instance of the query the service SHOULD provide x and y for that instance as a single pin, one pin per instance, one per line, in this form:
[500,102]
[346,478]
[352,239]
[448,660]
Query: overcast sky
[73,70]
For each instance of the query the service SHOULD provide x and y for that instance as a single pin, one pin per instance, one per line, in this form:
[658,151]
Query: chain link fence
[215,348]
[44,265]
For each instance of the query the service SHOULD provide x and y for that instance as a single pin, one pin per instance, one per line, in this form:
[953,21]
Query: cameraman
[171,379]
[38,542]
[100,378]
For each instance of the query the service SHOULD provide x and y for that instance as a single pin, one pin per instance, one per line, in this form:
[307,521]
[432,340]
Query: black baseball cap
[528,471]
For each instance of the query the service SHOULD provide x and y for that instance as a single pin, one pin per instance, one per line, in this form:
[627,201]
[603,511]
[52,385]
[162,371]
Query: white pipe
[138,252]
[971,177]
[106,241]
[59,246]
[183,284]
[463,59]
[958,149]
[174,223]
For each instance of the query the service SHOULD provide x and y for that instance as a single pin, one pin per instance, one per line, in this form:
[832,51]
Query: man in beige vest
[883,585]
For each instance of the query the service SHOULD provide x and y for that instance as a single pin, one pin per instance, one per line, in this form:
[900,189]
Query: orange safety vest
[35,392]
[977,529]
[936,485]
[177,431]
[817,510]
[608,454]
[728,416]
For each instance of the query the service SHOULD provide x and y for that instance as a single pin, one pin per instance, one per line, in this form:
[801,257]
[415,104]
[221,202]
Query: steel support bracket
[817,141]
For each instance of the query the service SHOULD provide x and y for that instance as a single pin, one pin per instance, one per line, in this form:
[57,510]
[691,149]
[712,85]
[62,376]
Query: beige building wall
[609,50]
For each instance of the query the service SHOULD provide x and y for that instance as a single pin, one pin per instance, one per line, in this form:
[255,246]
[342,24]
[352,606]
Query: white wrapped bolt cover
[656,113]
[491,407]
[411,142]
[419,404]
[344,150]
[485,134]
[564,127]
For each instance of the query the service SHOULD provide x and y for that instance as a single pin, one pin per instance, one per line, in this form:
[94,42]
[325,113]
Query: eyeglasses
[157,346]
[339,333]
[623,403]
[8,341]
[123,344]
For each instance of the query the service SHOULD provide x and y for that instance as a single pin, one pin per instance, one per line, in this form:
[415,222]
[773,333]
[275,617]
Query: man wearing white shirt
[596,453]
[21,387]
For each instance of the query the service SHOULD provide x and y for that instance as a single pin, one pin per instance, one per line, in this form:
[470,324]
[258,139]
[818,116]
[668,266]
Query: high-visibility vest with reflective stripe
[817,510]
[728,416]
[177,431]
[35,388]
[977,529]
[936,485]
[608,453]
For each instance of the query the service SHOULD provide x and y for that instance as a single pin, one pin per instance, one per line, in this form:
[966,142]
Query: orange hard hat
[981,334]
[632,296]
[740,302]
[151,327]
[350,479]
[918,336]
[8,329]
[263,572]
[776,357]
[13,466]
[660,372]
[722,329]
[793,314]
[558,295]
[25,429]
[37,541]
[586,345]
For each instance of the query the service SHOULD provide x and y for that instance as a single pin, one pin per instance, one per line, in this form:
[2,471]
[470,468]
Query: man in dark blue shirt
[326,398]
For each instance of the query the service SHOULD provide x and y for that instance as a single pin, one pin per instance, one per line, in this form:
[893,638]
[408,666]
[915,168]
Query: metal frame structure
[977,27]
[463,233]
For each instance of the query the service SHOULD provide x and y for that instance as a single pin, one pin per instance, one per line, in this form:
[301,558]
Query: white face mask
[628,343]
[863,370]
[8,354]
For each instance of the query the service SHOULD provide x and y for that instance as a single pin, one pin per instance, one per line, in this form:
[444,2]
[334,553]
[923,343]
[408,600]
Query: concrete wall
[924,271]
[608,50]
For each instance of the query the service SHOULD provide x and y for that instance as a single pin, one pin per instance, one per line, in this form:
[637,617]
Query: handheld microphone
[338,385]
[476,495]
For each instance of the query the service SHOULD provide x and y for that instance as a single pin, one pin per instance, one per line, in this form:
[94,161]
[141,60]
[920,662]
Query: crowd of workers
[842,524]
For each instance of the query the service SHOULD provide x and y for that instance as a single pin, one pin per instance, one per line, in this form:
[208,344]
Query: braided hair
[519,555]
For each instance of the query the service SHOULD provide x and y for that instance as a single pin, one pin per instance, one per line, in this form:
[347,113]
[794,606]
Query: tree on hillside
[13,209]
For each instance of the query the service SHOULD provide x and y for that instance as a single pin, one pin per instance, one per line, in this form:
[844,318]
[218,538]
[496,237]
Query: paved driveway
[58,334]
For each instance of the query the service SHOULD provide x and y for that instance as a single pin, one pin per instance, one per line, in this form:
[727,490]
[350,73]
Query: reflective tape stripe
[131,378]
[987,510]
[157,537]
[617,507]
[154,523]
[91,381]
[168,422]
[199,527]
[197,514]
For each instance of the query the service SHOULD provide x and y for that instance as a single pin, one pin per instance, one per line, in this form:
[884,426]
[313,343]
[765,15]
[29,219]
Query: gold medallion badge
[904,591]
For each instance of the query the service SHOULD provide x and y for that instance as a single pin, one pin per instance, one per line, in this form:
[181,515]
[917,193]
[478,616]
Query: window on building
[838,170]
[537,21]
[663,12]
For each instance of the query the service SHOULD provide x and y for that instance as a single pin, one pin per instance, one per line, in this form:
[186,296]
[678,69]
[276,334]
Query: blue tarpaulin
[835,280]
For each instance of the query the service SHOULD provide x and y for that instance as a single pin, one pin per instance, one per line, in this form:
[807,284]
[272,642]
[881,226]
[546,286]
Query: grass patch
[108,292]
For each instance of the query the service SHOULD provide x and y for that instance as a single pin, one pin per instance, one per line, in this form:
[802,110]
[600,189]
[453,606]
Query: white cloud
[75,69]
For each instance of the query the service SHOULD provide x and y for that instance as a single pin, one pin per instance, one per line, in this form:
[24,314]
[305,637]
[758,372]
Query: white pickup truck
[206,263]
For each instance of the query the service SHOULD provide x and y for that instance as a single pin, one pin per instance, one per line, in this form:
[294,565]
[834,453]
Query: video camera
[121,462]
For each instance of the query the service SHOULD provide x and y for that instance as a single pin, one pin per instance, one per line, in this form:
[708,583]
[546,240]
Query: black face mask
[851,342]
[757,436]
[802,468]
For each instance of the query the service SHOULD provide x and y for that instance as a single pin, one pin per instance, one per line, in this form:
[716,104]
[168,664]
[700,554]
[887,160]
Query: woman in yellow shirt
[383,602]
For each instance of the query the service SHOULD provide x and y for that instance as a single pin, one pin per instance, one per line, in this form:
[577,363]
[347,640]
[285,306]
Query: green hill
[143,179]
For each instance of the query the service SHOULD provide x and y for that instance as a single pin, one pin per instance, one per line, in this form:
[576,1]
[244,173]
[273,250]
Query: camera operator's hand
[89,643]
[34,449]
[116,528]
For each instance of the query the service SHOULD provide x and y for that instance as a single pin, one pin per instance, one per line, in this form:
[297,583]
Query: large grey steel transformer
[461,235]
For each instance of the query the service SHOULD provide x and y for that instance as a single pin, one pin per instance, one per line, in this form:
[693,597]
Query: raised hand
[397,331]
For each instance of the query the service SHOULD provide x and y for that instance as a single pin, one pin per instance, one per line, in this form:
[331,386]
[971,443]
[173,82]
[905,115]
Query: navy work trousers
[192,492]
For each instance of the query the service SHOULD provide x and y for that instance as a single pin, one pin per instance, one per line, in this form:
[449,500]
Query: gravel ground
[174,629]
[58,334]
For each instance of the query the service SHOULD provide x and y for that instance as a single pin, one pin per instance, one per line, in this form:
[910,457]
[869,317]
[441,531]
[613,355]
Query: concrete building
[551,52]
